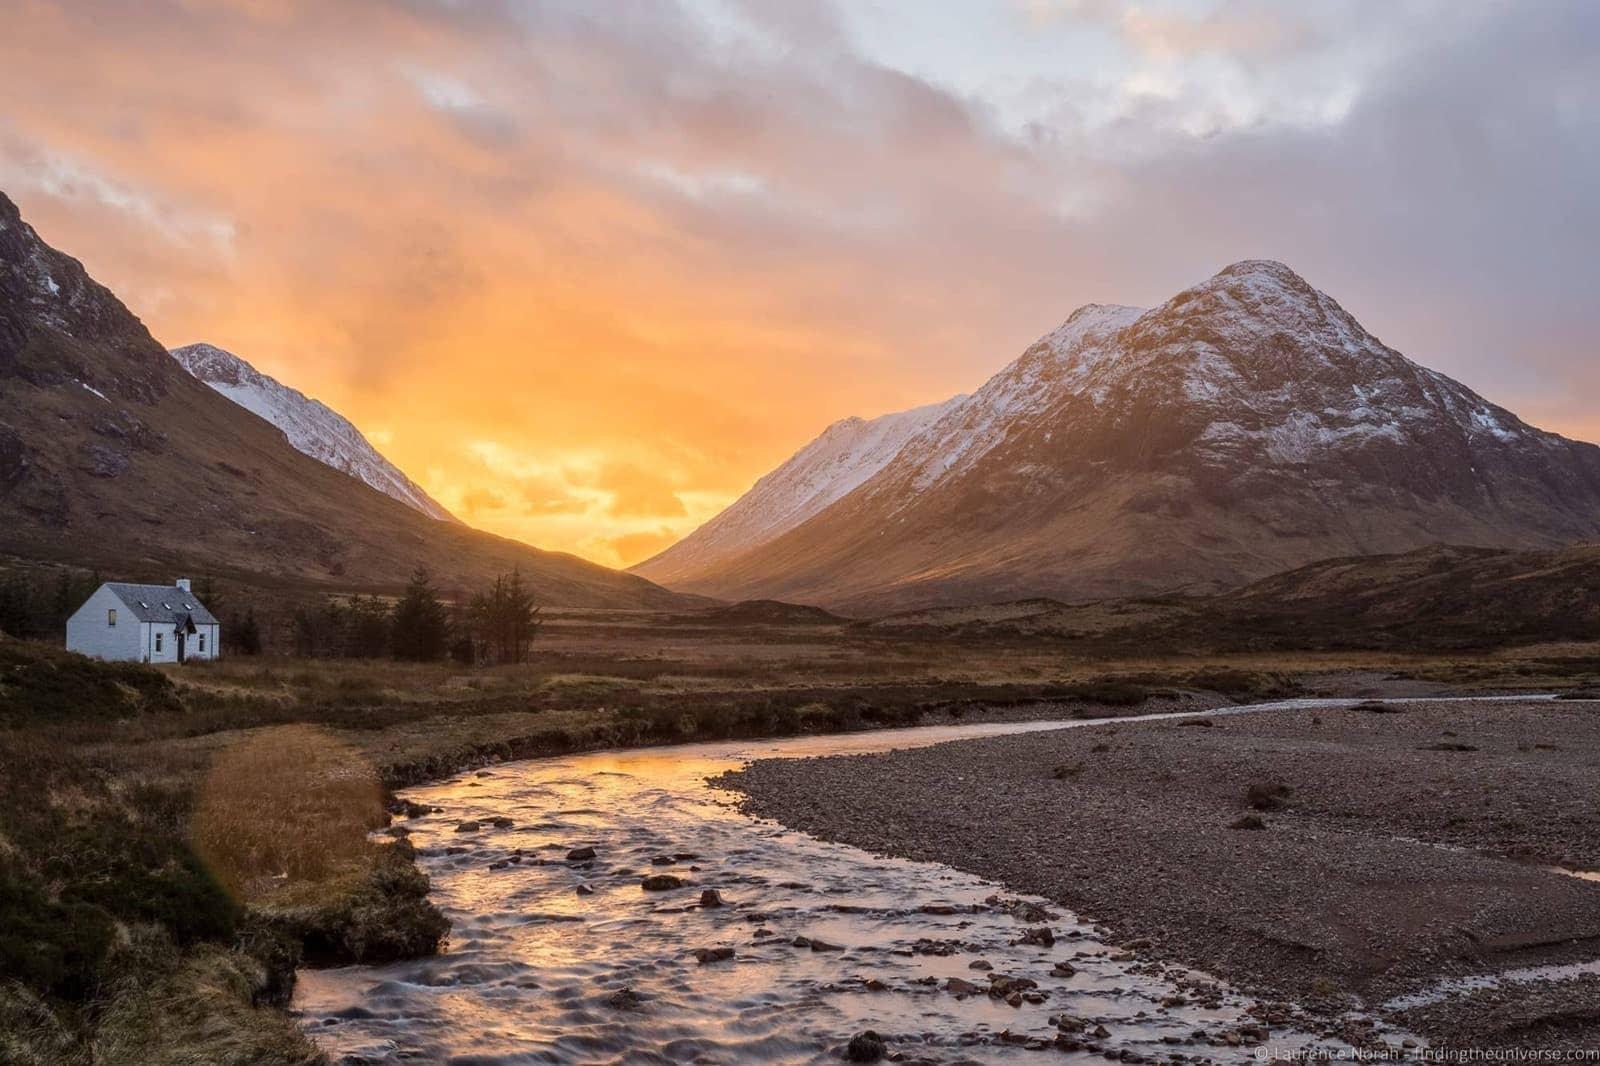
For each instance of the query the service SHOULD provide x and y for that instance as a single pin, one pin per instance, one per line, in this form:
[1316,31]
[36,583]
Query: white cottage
[144,623]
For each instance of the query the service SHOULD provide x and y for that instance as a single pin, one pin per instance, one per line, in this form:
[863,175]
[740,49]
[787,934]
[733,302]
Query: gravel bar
[1398,844]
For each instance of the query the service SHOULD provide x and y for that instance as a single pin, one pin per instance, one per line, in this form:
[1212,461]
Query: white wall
[213,642]
[89,633]
[131,640]
[168,652]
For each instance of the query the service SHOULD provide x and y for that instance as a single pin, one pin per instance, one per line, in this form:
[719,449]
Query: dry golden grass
[200,1013]
[286,805]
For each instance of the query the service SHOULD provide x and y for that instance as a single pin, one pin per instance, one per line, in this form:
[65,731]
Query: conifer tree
[421,628]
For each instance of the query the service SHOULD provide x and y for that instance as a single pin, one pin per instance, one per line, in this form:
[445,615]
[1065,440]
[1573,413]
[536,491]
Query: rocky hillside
[312,427]
[1246,426]
[112,456]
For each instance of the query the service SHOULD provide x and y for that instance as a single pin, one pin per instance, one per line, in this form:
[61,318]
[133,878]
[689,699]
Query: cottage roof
[161,603]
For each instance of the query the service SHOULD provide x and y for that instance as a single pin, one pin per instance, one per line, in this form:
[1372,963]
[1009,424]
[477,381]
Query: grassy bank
[174,842]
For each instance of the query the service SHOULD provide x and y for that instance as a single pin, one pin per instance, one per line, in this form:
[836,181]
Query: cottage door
[183,643]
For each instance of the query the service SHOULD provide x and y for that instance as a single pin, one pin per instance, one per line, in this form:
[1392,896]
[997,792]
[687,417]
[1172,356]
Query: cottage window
[111,616]
[202,642]
[158,642]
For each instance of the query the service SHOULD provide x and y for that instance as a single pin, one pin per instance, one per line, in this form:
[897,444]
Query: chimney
[183,583]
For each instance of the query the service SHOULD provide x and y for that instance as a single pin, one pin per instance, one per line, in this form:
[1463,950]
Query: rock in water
[866,1047]
[624,999]
[1043,937]
[661,883]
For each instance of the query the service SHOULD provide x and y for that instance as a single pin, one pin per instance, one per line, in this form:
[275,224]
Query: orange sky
[586,271]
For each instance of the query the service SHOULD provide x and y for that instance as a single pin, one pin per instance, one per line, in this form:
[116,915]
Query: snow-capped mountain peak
[1247,425]
[311,426]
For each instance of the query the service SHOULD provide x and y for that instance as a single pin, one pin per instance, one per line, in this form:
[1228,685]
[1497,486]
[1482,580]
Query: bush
[43,686]
[82,861]
[52,948]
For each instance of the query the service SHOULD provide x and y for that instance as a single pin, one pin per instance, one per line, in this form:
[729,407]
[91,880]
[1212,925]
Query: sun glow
[646,255]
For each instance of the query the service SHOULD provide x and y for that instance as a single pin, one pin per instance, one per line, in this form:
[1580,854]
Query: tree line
[498,625]
[36,607]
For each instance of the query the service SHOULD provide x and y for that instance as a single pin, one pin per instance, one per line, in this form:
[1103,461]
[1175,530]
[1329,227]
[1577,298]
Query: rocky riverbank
[1368,849]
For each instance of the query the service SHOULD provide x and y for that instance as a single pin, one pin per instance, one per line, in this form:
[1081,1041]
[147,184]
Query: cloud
[637,492]
[475,501]
[544,495]
[644,252]
[632,548]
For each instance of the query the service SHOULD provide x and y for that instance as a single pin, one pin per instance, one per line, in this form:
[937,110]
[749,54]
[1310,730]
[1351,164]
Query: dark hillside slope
[112,456]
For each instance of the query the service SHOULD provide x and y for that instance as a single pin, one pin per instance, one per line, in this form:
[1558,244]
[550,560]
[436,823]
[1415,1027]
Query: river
[574,962]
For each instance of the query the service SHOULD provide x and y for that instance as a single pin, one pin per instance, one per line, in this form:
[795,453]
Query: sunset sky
[587,269]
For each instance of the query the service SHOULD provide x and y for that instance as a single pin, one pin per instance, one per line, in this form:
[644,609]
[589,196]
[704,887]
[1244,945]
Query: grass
[173,842]
[285,806]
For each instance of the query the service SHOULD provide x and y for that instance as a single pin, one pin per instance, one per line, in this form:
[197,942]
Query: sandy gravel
[1388,865]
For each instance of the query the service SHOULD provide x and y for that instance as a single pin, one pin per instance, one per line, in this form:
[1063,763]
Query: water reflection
[553,960]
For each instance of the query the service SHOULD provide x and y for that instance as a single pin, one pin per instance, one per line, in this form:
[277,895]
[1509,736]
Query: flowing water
[574,962]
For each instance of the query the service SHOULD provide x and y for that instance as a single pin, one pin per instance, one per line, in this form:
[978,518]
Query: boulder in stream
[661,883]
[866,1047]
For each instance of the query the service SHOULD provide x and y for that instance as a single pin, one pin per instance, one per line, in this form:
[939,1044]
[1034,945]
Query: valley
[136,759]
[1218,679]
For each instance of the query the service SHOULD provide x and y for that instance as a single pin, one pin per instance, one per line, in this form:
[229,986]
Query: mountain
[846,454]
[1246,426]
[311,426]
[113,456]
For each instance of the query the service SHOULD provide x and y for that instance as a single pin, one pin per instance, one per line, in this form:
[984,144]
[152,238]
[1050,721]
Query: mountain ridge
[311,426]
[1245,426]
[843,456]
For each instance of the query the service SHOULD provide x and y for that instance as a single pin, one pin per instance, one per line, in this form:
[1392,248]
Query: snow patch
[310,426]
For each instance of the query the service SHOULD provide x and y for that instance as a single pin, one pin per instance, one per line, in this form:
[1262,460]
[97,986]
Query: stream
[558,961]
